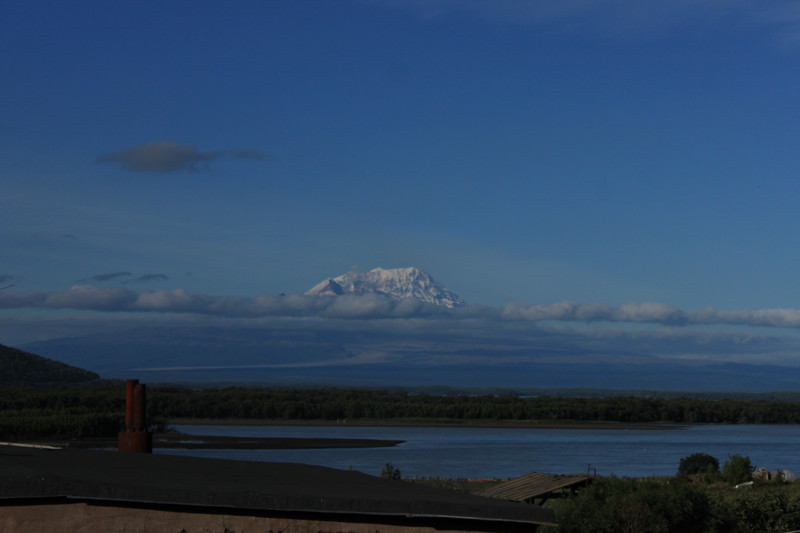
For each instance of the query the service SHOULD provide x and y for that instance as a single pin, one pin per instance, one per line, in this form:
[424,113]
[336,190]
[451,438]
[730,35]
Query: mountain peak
[396,283]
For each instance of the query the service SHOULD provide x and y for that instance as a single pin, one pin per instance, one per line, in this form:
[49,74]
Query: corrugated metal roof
[533,485]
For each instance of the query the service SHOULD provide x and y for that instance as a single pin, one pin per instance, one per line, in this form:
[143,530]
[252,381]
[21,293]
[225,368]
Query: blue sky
[595,152]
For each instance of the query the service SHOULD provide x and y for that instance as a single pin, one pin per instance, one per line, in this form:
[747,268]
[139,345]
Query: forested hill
[24,369]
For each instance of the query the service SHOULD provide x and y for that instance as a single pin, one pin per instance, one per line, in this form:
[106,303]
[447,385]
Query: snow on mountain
[397,283]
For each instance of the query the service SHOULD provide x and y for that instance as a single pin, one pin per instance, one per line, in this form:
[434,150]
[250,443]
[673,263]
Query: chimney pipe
[135,437]
[130,390]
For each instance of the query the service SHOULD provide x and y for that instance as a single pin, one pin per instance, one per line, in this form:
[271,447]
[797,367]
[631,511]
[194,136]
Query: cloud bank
[651,313]
[170,156]
[374,306]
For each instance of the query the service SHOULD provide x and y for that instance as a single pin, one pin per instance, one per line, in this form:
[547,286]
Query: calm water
[510,452]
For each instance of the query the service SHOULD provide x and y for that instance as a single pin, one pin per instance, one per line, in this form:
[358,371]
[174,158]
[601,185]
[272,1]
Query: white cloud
[91,297]
[375,306]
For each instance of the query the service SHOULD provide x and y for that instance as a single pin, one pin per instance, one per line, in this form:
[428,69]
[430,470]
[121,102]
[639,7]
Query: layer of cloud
[94,298]
[651,313]
[91,298]
[171,156]
[375,306]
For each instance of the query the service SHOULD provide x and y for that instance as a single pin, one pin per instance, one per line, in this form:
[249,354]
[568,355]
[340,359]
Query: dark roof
[177,480]
[533,485]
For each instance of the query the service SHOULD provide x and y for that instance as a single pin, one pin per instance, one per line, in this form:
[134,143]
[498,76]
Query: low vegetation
[701,498]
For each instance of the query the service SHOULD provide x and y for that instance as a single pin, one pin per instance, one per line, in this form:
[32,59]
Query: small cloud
[160,156]
[110,276]
[170,156]
[6,278]
[152,277]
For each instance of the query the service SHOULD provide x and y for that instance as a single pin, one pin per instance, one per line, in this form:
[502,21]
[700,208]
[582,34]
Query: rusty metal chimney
[135,437]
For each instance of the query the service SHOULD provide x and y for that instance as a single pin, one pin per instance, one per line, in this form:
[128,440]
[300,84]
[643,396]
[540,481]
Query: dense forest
[95,411]
[350,404]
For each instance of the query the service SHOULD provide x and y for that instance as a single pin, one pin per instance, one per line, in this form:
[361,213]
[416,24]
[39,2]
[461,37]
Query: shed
[535,485]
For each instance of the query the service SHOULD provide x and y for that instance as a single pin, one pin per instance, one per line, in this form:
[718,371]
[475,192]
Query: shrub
[760,511]
[698,463]
[391,472]
[637,505]
[737,469]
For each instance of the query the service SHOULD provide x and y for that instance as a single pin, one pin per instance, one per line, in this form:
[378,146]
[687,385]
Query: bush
[698,463]
[391,472]
[737,469]
[760,511]
[637,505]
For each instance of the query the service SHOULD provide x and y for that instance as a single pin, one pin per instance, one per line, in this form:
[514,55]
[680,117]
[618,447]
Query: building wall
[93,518]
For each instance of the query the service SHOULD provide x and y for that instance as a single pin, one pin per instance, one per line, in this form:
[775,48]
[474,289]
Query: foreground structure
[82,491]
[537,486]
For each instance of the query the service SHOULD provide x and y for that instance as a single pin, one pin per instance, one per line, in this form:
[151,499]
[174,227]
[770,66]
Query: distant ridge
[24,369]
[396,283]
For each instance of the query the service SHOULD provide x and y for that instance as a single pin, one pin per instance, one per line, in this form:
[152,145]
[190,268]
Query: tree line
[352,404]
[75,411]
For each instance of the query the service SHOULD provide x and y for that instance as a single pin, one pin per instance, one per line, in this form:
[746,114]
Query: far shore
[414,423]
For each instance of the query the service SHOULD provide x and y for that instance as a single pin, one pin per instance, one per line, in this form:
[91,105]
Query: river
[461,452]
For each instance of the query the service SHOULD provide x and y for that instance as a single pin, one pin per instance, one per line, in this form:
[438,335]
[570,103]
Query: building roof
[533,485]
[243,485]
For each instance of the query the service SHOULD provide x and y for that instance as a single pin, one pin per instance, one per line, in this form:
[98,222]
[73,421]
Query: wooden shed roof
[534,485]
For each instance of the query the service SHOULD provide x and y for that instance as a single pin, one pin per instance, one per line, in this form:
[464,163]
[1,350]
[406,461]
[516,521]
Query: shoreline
[185,441]
[180,440]
[404,423]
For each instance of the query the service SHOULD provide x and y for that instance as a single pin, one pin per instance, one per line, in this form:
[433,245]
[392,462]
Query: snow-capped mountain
[397,283]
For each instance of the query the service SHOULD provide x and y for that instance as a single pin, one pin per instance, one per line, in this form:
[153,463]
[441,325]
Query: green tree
[698,463]
[737,469]
[391,472]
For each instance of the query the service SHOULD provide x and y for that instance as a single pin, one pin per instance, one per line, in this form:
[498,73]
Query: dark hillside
[23,369]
